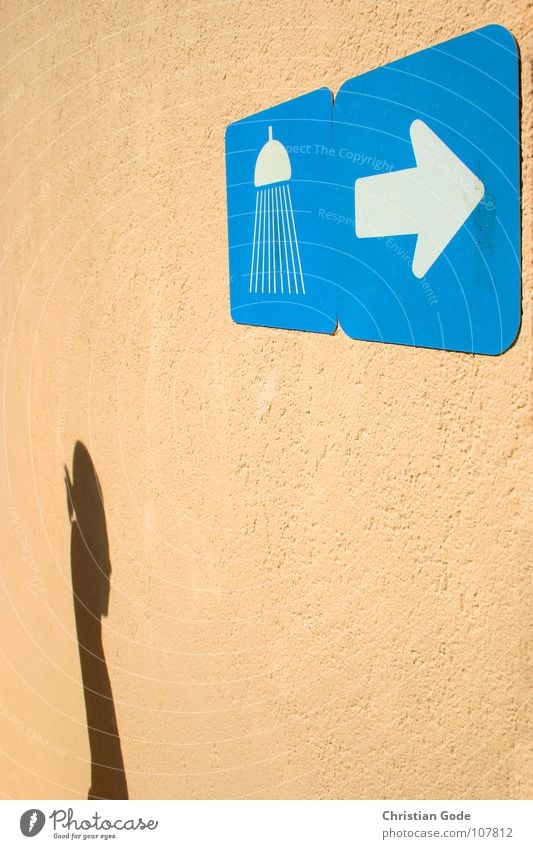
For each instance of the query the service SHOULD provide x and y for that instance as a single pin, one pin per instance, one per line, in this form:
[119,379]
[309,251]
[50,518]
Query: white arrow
[432,200]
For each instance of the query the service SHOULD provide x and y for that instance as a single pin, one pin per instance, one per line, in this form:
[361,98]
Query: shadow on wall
[91,574]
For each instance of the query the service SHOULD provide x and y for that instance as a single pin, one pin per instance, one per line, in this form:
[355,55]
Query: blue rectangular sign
[393,211]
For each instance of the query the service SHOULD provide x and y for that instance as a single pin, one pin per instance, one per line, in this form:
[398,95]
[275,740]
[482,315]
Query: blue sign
[394,211]
[282,270]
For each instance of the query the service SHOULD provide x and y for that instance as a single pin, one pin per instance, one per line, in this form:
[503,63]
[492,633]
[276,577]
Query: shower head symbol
[276,267]
[272,164]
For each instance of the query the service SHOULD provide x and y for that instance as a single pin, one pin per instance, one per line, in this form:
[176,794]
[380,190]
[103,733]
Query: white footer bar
[268,824]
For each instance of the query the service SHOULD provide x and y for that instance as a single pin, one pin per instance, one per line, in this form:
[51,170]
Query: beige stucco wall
[319,546]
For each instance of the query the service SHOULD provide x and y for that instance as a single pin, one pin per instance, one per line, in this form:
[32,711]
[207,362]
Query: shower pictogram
[276,266]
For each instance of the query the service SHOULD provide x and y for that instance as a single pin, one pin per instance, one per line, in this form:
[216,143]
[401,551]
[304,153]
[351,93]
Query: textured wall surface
[319,547]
